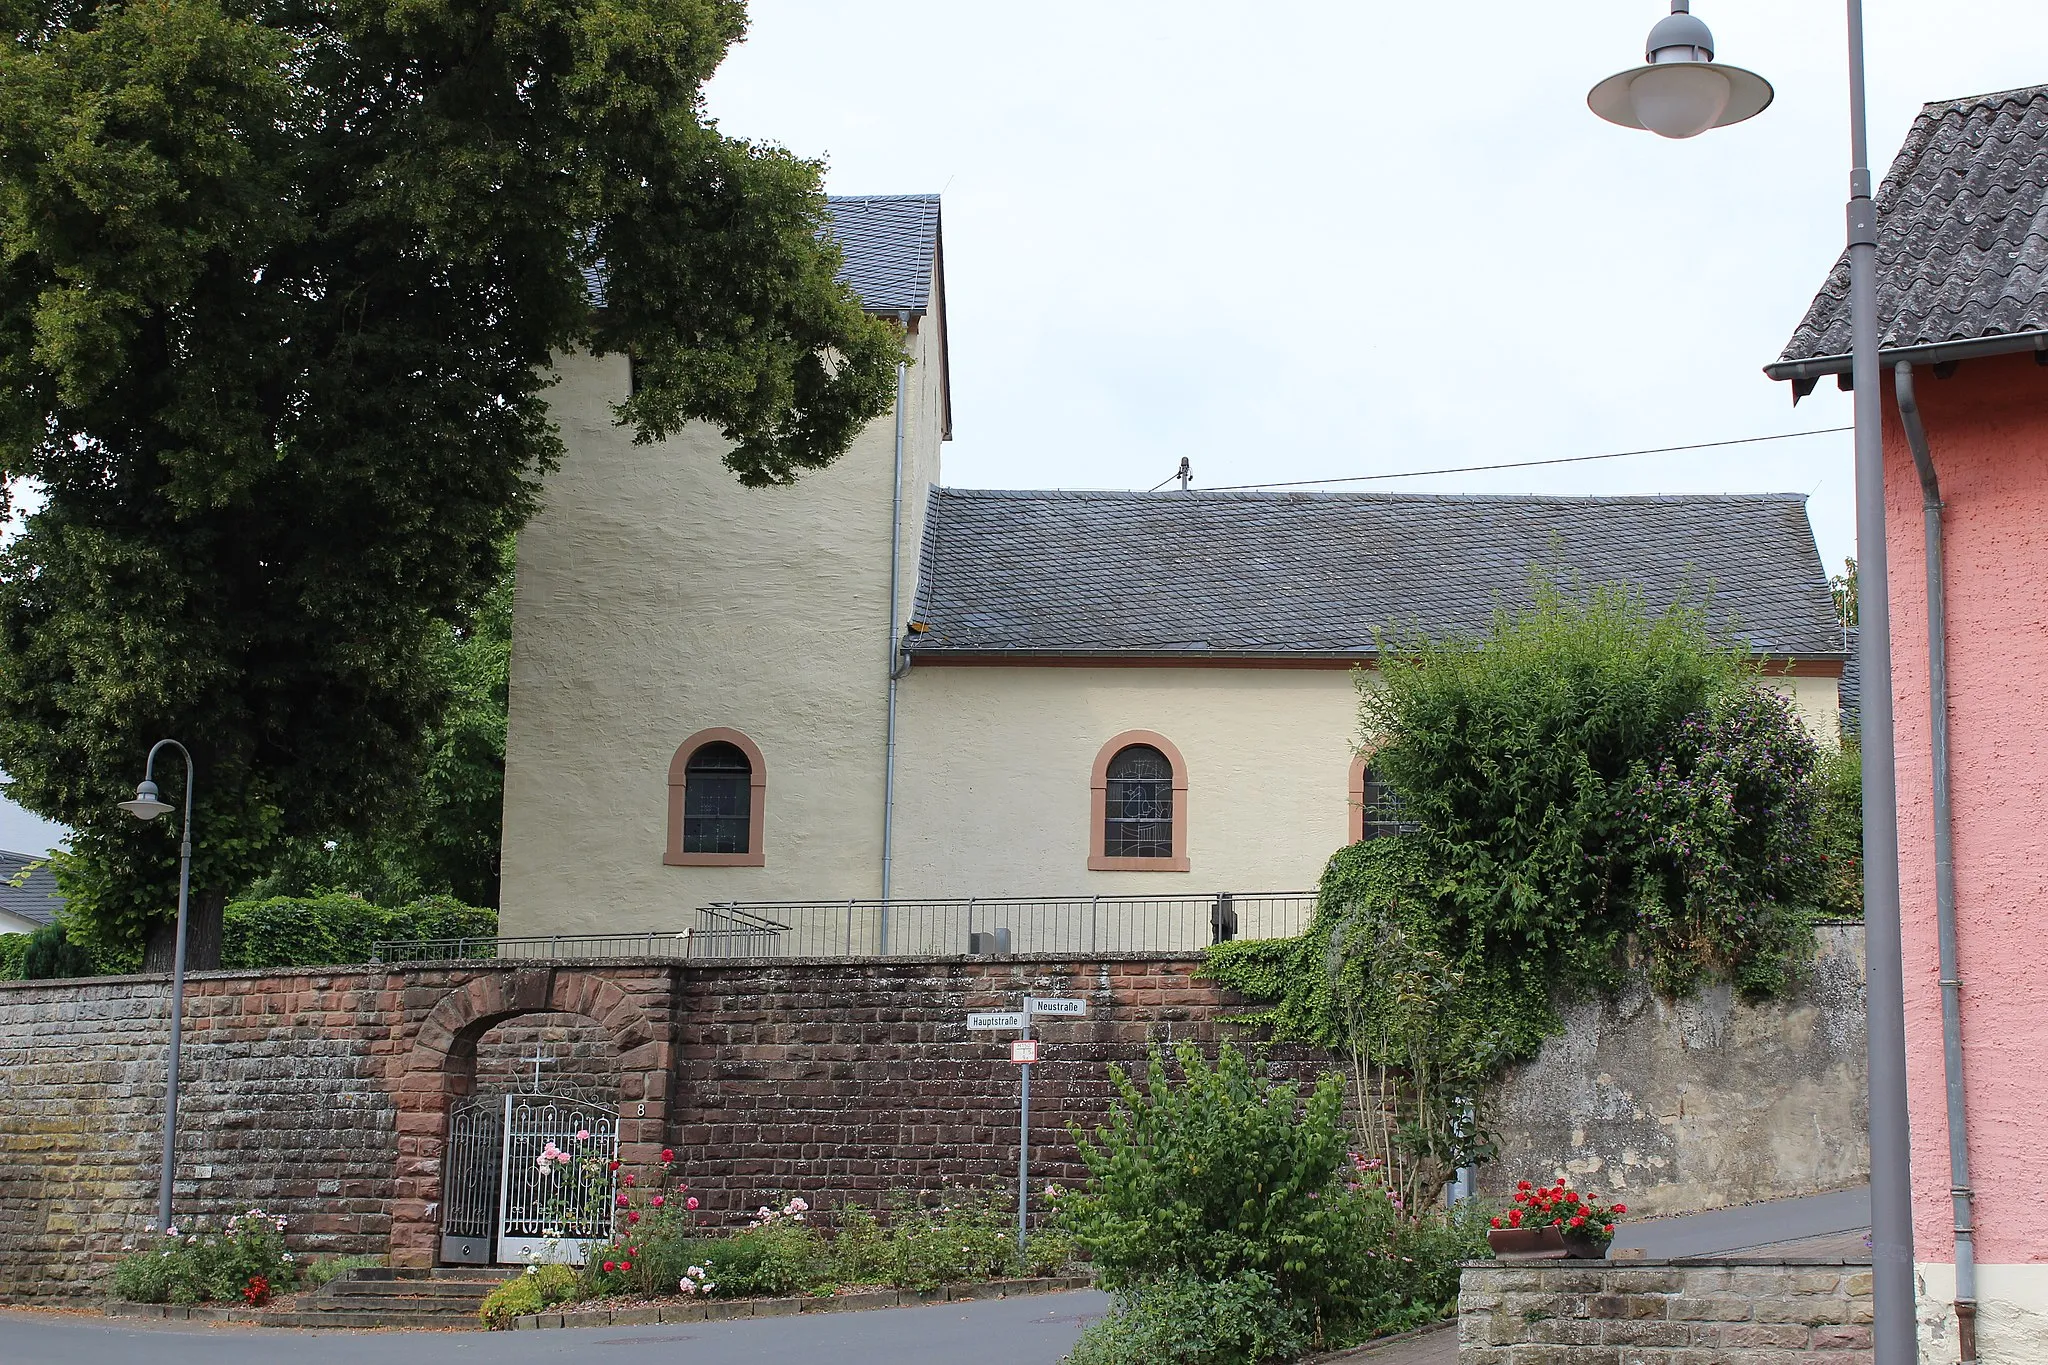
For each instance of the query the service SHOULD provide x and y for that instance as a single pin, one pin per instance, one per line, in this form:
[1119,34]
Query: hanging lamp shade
[1680,91]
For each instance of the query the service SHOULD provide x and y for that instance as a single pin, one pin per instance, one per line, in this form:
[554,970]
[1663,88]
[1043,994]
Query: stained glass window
[1138,821]
[717,800]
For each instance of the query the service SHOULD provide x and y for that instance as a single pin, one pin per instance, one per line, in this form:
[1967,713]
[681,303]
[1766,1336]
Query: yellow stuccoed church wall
[657,597]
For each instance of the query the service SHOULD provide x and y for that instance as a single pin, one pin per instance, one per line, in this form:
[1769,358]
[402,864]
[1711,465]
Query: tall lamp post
[147,806]
[1682,92]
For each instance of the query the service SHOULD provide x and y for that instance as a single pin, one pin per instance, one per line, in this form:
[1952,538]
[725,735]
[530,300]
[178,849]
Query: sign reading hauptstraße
[1057,1006]
[998,1019]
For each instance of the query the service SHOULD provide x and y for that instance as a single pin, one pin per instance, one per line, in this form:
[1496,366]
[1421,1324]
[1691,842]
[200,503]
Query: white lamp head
[146,806]
[1681,91]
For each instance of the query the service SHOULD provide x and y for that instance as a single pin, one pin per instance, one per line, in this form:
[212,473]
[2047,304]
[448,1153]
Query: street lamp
[147,806]
[1682,91]
[1678,105]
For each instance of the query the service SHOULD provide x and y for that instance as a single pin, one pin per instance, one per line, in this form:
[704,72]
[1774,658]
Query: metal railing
[987,925]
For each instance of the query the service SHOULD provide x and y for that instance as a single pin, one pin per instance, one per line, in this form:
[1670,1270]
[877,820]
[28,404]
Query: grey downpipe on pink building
[1944,868]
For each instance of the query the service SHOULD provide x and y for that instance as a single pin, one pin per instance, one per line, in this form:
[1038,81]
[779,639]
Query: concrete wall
[1698,1103]
[1988,429]
[1746,1312]
[657,597]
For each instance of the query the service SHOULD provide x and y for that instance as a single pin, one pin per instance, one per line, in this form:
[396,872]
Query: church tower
[678,634]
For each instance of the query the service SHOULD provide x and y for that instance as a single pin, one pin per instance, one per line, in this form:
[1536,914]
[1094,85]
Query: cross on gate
[539,1055]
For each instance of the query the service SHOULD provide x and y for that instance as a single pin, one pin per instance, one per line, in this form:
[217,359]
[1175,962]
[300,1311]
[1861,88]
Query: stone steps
[441,1297]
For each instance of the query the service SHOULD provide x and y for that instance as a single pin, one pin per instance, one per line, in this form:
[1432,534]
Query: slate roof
[1318,574]
[1962,245]
[888,244]
[36,899]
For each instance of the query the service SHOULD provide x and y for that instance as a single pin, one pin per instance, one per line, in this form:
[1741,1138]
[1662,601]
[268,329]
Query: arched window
[717,794]
[1375,808]
[1139,810]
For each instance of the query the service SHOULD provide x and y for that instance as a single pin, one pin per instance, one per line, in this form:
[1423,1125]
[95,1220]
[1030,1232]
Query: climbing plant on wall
[1585,776]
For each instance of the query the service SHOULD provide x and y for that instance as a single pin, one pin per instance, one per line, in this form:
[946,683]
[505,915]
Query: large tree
[279,284]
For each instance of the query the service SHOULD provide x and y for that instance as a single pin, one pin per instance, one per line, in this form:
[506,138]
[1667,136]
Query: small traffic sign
[1057,1006]
[998,1019]
[1024,1050]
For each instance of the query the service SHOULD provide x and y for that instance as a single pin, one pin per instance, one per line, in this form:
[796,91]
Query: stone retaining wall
[322,1094]
[1751,1312]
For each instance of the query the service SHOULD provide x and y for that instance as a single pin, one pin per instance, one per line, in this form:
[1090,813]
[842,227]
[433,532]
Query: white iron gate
[527,1177]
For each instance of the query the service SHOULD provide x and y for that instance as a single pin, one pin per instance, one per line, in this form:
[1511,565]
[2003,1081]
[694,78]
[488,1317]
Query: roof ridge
[1991,97]
[1266,494]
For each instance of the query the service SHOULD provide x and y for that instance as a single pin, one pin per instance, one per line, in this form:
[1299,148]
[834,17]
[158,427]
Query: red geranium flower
[610,1266]
[667,1155]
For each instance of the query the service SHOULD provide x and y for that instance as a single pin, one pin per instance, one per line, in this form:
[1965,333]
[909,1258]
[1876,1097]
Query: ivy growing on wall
[1585,779]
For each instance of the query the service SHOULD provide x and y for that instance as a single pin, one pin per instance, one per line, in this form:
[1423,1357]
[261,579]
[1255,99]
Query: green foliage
[281,286]
[777,1258]
[333,929]
[50,955]
[1221,1173]
[1517,755]
[1584,775]
[440,839]
[1726,865]
[317,1271]
[956,1234]
[13,947]
[1842,588]
[1241,1320]
[1838,829]
[199,1265]
[541,1287]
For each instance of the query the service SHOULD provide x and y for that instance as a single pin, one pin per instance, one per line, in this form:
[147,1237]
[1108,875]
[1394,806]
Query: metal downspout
[1960,1193]
[895,648]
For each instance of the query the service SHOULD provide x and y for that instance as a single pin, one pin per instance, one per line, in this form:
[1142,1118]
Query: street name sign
[999,1019]
[1056,1006]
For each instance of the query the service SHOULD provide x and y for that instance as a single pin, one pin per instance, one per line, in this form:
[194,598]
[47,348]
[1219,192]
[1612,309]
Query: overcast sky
[1304,240]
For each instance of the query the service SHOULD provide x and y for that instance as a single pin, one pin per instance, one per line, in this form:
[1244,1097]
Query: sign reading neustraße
[1057,1006]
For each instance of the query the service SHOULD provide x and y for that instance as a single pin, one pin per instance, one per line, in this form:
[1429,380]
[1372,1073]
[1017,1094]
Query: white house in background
[28,893]
[1099,694]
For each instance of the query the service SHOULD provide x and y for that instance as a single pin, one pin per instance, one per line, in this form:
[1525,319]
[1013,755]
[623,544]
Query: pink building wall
[1987,426]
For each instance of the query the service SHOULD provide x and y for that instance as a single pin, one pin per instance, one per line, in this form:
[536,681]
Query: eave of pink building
[1988,428]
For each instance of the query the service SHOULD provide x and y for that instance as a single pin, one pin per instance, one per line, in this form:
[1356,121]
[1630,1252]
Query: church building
[868,685]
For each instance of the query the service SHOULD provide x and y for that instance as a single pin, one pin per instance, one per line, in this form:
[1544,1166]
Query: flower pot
[1527,1244]
[1583,1247]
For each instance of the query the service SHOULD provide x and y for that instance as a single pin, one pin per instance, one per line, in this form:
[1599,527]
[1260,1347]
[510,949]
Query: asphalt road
[1766,1228]
[1035,1329]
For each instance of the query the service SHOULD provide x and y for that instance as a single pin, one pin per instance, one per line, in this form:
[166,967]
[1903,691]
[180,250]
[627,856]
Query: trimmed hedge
[13,947]
[333,930]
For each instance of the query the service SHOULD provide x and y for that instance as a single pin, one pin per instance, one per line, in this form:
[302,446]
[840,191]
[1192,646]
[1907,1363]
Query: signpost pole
[1024,1138]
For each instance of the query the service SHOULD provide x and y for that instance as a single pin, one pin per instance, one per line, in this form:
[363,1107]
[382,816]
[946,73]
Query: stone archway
[441,1067]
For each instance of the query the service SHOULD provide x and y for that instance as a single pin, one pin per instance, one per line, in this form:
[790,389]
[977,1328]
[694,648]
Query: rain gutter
[1960,1194]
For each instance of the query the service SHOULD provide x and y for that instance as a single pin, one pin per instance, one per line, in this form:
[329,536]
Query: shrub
[1838,829]
[1242,1320]
[541,1287]
[199,1266]
[327,930]
[1223,1173]
[51,955]
[774,1258]
[12,949]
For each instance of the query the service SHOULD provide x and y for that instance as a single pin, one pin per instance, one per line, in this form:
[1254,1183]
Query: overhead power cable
[1519,464]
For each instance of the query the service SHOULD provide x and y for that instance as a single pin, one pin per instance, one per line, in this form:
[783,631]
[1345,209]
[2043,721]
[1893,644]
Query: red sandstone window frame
[1098,807]
[757,805]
